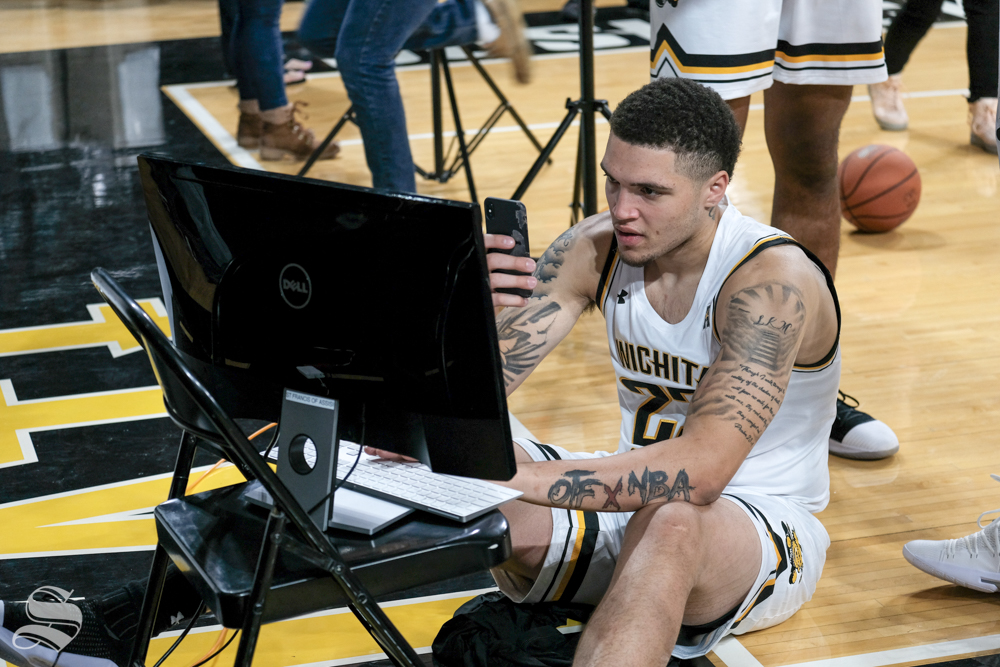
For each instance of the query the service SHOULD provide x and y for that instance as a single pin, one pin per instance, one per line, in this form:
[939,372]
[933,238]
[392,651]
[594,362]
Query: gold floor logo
[57,621]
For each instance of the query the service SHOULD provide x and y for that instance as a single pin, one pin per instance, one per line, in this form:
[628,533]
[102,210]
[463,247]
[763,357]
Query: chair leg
[158,570]
[273,535]
[371,631]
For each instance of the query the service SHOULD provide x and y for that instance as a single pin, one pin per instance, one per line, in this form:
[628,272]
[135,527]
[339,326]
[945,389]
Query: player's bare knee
[813,175]
[675,528]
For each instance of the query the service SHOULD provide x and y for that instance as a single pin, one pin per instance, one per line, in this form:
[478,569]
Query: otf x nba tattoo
[576,486]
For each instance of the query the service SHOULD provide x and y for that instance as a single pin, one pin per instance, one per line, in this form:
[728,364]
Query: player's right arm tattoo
[551,261]
[746,384]
[524,332]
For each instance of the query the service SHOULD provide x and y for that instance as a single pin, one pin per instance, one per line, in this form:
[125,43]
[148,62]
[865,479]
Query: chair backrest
[189,403]
[184,393]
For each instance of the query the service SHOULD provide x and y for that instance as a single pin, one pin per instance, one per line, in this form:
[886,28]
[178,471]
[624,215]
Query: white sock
[486,29]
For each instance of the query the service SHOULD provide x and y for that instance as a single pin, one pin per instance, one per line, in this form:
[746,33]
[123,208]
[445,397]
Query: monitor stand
[307,452]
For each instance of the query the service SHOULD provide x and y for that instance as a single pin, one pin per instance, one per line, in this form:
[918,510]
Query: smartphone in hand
[510,218]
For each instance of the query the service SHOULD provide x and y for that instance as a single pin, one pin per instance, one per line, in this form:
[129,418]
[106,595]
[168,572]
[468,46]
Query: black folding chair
[251,569]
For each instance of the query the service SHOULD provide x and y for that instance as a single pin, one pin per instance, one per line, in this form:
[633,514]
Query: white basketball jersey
[659,366]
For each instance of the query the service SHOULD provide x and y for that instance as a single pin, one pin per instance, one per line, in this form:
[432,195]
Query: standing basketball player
[806,57]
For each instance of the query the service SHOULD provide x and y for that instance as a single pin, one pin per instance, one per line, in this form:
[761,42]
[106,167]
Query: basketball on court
[879,188]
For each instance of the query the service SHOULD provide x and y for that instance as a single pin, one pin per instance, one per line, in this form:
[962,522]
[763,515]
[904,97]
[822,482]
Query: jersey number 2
[659,397]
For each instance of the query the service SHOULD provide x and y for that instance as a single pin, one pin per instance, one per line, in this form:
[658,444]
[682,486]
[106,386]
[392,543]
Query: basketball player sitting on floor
[724,337]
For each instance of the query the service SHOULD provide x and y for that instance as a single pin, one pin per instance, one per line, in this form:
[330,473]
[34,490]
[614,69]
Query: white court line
[211,128]
[227,145]
[734,654]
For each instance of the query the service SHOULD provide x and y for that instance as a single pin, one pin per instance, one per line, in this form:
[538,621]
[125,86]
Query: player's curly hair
[686,117]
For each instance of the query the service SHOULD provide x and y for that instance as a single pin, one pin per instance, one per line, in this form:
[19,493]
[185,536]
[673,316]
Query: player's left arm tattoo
[579,488]
[746,383]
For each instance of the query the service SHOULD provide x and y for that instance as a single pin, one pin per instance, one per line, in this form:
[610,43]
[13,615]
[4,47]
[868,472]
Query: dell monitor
[379,300]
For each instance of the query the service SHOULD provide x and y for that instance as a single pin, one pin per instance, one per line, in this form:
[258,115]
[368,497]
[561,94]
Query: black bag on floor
[491,630]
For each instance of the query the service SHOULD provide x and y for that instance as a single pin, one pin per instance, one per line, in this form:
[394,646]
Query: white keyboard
[414,485]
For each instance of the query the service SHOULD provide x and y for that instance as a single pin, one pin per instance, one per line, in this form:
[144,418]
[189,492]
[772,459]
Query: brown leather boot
[249,130]
[292,139]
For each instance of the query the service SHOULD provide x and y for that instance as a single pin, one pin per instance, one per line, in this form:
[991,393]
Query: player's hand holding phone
[506,242]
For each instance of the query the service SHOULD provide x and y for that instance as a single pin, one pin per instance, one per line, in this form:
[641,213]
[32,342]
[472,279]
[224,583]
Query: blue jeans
[365,36]
[251,48]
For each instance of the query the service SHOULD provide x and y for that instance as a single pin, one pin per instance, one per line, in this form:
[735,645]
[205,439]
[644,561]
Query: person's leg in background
[908,27]
[803,109]
[251,124]
[802,127]
[364,38]
[256,59]
[983,19]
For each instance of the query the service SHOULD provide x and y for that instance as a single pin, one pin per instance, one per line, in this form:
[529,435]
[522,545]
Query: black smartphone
[510,218]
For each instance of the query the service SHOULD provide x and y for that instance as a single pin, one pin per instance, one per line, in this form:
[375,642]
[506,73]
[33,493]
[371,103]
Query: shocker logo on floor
[794,553]
[57,621]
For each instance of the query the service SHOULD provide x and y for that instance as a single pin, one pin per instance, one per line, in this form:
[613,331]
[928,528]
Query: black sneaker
[58,632]
[858,435]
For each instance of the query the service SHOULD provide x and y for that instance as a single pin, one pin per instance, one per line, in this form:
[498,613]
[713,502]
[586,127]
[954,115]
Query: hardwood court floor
[920,334]
[920,341]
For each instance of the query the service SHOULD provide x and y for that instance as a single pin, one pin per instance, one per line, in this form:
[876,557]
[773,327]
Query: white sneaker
[972,561]
[887,104]
[982,123]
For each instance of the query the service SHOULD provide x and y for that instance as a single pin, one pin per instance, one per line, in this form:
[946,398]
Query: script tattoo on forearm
[577,485]
[745,384]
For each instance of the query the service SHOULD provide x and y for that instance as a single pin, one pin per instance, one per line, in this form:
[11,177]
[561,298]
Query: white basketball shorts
[739,47]
[585,545]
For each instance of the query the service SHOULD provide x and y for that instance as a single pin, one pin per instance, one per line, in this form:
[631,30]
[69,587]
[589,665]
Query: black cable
[187,629]
[340,482]
[274,441]
[224,647]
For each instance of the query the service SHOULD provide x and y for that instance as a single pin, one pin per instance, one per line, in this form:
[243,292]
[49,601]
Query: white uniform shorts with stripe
[585,545]
[739,47]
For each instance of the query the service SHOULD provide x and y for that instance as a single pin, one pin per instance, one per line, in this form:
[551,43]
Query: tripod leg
[504,102]
[574,109]
[577,206]
[587,130]
[348,116]
[459,132]
[436,60]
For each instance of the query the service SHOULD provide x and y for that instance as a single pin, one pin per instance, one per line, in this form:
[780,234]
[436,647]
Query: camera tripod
[587,106]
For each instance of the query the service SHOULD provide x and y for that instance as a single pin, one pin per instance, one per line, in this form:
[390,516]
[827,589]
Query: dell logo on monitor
[295,286]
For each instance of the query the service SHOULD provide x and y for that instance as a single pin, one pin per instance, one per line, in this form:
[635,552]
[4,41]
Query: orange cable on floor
[214,468]
[215,647]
